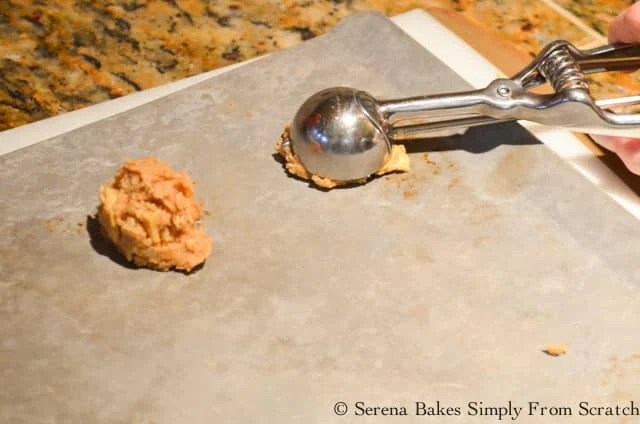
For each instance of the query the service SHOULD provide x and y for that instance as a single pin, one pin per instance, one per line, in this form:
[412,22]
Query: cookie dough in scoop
[398,162]
[149,212]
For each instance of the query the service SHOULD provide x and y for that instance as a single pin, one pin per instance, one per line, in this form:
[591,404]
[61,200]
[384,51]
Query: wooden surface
[510,60]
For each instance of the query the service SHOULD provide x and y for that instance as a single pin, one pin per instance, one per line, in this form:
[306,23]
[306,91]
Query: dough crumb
[409,194]
[398,162]
[54,224]
[556,349]
[149,212]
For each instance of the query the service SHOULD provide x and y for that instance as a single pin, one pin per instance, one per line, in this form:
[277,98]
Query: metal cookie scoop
[346,134]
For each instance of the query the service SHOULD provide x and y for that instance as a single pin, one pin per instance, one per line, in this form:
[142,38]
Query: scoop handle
[612,57]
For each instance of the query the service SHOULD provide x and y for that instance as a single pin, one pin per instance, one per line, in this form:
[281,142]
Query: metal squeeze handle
[571,106]
[612,57]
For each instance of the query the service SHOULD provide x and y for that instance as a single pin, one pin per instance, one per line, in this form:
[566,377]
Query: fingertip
[628,147]
[625,28]
[632,163]
[605,141]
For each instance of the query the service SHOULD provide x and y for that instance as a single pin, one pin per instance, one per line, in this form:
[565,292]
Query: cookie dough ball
[149,212]
[398,161]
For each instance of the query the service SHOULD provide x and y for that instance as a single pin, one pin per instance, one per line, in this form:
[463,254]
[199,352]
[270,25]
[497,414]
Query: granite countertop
[61,55]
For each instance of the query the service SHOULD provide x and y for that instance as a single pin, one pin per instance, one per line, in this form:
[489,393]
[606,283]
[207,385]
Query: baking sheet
[441,284]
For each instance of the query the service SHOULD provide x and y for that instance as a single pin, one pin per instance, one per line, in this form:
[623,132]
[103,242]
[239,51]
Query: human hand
[625,28]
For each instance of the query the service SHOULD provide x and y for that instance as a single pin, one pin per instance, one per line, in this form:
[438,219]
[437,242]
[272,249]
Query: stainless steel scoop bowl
[346,134]
[339,133]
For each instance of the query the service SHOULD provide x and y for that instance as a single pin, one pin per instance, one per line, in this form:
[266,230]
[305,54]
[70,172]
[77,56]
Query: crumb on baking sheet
[409,194]
[398,162]
[149,212]
[454,182]
[555,349]
[54,224]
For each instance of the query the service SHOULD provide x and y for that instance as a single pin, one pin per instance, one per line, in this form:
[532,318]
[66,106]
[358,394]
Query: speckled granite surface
[596,13]
[61,55]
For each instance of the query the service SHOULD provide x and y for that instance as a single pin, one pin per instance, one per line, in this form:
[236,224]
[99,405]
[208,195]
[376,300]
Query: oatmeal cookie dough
[398,162]
[149,212]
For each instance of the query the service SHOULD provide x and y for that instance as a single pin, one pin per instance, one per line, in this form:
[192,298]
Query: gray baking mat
[441,284]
